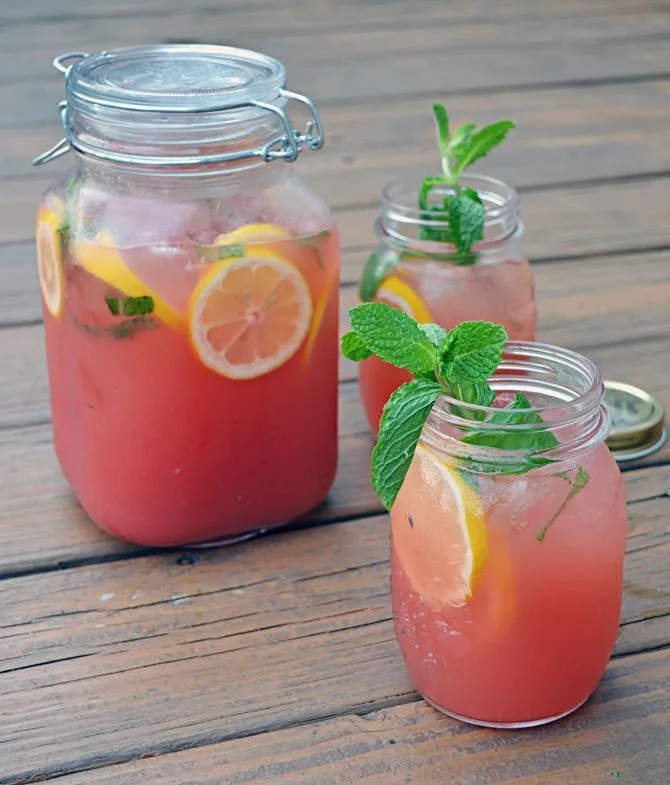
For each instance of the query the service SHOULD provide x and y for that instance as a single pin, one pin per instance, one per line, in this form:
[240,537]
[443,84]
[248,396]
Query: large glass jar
[507,564]
[430,282]
[190,292]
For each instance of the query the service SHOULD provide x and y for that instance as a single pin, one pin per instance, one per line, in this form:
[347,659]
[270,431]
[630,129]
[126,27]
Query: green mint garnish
[130,306]
[457,363]
[462,210]
[394,338]
[377,268]
[114,305]
[354,348]
[471,352]
[311,243]
[399,431]
[581,478]
[214,253]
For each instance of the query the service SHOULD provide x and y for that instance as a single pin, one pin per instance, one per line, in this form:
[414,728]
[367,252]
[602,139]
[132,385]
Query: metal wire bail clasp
[61,147]
[289,146]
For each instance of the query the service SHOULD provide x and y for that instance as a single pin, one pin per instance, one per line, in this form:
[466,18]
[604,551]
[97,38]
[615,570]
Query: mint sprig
[461,210]
[457,363]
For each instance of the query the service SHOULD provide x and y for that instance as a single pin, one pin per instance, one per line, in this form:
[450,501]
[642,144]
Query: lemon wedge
[394,291]
[101,258]
[49,259]
[253,233]
[249,315]
[438,531]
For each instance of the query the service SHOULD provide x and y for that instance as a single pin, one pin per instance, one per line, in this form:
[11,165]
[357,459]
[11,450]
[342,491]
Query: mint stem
[581,478]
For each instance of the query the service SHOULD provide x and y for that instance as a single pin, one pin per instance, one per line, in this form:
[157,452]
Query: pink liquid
[502,293]
[161,450]
[534,639]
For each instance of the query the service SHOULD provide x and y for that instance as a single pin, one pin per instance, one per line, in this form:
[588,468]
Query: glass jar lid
[175,79]
[179,105]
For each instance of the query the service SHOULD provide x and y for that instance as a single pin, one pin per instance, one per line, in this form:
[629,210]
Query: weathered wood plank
[439,73]
[619,735]
[236,643]
[300,15]
[321,38]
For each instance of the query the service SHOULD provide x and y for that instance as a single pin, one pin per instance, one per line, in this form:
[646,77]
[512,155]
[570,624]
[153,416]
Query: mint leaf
[113,305]
[471,352]
[353,348]
[435,334]
[461,138]
[518,412]
[466,220]
[581,479]
[136,306]
[478,393]
[311,243]
[480,144]
[441,129]
[376,270]
[393,337]
[399,431]
[214,253]
[130,306]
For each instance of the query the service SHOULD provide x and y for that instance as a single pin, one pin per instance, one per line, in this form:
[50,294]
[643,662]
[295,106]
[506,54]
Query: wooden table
[274,661]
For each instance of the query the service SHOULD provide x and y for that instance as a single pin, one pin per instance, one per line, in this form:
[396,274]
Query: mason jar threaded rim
[572,406]
[401,218]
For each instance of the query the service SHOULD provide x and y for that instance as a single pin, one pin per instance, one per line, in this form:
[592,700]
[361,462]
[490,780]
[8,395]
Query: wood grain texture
[284,630]
[439,73]
[620,735]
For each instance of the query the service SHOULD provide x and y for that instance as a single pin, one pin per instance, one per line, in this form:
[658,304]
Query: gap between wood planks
[310,521]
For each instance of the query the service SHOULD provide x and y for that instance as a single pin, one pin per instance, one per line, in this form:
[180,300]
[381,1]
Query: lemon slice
[439,531]
[249,315]
[394,291]
[49,260]
[253,233]
[102,259]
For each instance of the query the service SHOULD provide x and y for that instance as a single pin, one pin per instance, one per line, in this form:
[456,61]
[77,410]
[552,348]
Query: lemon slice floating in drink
[439,531]
[49,260]
[262,235]
[253,233]
[394,291]
[102,258]
[249,315]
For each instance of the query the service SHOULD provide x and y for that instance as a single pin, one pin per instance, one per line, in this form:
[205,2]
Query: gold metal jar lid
[637,421]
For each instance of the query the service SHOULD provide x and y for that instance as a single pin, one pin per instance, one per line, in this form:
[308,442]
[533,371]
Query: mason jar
[507,563]
[431,282]
[190,294]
